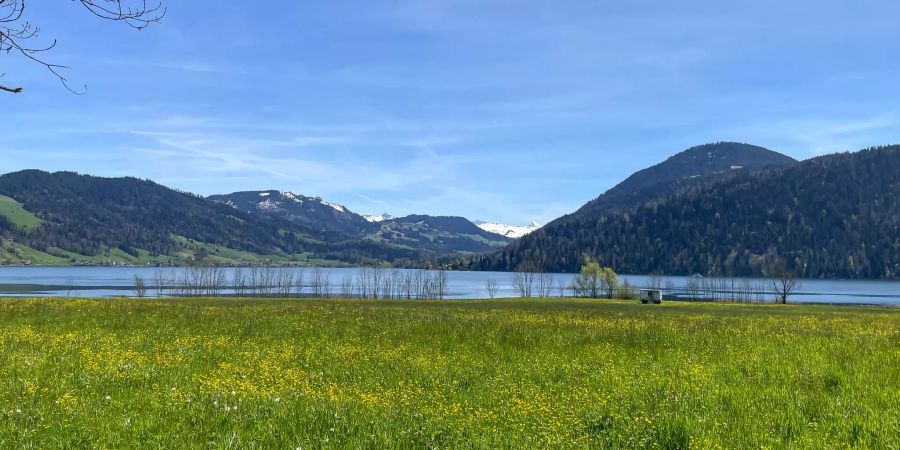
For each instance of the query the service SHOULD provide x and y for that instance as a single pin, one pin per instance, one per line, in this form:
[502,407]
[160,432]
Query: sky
[507,111]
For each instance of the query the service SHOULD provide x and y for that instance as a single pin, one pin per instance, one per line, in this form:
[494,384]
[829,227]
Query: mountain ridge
[830,216]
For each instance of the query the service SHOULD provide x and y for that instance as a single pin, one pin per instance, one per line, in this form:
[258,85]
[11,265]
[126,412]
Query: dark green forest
[834,216]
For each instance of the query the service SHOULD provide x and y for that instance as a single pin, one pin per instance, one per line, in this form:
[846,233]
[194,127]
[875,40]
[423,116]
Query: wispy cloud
[177,65]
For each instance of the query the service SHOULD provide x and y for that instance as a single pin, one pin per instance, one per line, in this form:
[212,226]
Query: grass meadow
[224,373]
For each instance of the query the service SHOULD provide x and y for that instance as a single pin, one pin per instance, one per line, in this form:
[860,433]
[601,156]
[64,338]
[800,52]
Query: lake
[119,281]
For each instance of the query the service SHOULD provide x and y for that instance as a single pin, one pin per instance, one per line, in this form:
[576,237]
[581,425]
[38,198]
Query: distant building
[651,296]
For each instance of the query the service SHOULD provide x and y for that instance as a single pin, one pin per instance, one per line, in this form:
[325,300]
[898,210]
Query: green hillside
[17,215]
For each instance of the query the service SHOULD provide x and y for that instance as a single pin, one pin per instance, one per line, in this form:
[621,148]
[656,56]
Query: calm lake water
[119,281]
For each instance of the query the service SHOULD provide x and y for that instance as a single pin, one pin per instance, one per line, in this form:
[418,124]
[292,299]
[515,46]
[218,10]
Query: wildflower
[108,397]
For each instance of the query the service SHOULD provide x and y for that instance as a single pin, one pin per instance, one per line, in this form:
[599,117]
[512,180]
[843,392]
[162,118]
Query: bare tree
[70,287]
[544,284]
[523,279]
[655,280]
[561,286]
[490,286]
[159,282]
[670,287]
[319,283]
[420,284]
[17,32]
[239,281]
[299,280]
[140,287]
[784,283]
[440,283]
[397,281]
[692,287]
[347,286]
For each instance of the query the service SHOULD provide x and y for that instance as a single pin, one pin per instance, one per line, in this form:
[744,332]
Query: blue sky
[498,110]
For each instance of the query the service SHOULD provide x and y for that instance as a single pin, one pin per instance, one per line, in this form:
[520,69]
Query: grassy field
[16,214]
[223,373]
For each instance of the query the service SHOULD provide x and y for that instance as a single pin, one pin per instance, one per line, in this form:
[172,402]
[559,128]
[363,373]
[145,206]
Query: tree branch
[16,30]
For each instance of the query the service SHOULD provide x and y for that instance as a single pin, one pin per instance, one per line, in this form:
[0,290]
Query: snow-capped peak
[510,231]
[378,218]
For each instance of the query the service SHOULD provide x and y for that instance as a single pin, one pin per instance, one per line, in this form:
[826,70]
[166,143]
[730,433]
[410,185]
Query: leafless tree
[561,286]
[784,283]
[692,287]
[544,284]
[70,287]
[441,283]
[285,282]
[670,287]
[159,282]
[490,286]
[397,281]
[420,284]
[523,279]
[319,283]
[655,280]
[18,34]
[140,286]
[238,281]
[347,286]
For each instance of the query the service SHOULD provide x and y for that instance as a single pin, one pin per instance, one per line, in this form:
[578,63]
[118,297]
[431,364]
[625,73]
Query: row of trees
[367,282]
[595,281]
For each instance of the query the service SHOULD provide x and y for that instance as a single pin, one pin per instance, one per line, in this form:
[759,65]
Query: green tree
[593,280]
[608,281]
[587,284]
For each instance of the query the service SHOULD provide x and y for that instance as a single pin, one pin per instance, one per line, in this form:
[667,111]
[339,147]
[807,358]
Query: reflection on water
[120,281]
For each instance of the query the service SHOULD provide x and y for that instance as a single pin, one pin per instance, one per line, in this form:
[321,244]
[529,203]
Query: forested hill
[696,164]
[831,216]
[85,214]
[65,217]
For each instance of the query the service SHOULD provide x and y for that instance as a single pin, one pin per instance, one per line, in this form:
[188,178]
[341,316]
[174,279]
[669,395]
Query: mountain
[510,231]
[66,217]
[311,212]
[835,216]
[699,164]
[84,214]
[440,234]
[426,235]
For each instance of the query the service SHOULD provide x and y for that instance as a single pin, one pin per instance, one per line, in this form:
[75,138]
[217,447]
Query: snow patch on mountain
[379,218]
[268,204]
[292,196]
[510,231]
[336,206]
